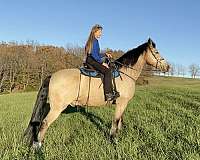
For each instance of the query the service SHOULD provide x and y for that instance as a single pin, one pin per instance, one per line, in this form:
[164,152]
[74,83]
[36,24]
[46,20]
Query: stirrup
[110,96]
[116,94]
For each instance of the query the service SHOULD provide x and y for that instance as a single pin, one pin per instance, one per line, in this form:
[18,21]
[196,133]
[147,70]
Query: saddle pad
[95,74]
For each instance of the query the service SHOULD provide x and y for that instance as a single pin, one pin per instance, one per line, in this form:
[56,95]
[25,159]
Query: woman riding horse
[62,88]
[93,59]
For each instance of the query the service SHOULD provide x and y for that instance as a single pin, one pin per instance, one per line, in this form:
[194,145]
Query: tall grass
[162,121]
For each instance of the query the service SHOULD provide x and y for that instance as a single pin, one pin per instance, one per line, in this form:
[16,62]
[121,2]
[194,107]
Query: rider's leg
[107,81]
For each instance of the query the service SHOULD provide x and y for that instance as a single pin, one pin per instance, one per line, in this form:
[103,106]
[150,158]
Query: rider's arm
[95,51]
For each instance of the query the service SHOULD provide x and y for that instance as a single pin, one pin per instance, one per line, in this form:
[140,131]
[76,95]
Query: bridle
[158,60]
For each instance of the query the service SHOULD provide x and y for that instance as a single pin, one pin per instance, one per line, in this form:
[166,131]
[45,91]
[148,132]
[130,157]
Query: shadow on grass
[39,155]
[96,120]
[31,153]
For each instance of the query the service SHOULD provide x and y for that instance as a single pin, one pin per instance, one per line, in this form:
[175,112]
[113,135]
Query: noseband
[158,60]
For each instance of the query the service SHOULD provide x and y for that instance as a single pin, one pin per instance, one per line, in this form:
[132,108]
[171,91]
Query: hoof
[113,139]
[37,145]
[112,135]
[113,132]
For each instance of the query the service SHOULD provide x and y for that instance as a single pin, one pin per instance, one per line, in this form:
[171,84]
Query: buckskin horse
[62,88]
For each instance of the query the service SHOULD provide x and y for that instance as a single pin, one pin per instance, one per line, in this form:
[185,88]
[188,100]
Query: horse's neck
[135,70]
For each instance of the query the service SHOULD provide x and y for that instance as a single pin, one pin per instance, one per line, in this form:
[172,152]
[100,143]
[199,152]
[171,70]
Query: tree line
[193,70]
[25,66]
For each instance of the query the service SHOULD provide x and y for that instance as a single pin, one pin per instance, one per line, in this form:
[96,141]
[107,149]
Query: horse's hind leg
[50,118]
[117,120]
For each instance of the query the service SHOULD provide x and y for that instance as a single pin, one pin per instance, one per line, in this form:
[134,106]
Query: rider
[93,59]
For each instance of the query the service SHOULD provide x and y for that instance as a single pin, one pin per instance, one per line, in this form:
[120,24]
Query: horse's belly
[91,101]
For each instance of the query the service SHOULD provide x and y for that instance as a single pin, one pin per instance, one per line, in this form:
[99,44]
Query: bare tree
[183,70]
[194,69]
[172,69]
[178,69]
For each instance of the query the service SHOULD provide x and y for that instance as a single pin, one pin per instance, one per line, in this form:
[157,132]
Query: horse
[62,88]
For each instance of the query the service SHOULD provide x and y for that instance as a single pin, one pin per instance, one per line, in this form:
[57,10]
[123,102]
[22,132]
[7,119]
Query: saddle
[88,71]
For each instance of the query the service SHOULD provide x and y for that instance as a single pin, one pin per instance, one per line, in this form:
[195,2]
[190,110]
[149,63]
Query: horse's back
[63,83]
[65,78]
[64,73]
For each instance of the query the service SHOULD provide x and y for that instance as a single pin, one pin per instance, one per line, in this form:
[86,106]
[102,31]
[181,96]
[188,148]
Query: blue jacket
[95,52]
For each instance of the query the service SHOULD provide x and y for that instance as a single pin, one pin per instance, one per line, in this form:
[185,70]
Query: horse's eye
[156,52]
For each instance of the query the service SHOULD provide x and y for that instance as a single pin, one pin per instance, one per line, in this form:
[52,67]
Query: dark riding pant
[107,80]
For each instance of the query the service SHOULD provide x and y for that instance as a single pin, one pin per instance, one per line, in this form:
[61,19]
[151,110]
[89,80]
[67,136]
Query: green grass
[161,122]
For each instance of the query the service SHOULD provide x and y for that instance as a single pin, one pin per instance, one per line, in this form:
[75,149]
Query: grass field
[161,122]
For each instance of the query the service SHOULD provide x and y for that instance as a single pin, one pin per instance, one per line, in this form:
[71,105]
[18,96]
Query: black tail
[40,111]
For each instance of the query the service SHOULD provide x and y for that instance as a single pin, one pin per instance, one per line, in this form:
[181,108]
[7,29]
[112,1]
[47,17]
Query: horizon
[184,71]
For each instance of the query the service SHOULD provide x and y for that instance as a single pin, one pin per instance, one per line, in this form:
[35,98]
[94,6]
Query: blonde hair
[88,46]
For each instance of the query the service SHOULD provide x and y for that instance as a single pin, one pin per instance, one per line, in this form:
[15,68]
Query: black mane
[131,57]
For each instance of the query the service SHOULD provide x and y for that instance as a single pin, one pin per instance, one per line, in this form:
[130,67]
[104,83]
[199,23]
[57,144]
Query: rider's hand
[105,64]
[108,55]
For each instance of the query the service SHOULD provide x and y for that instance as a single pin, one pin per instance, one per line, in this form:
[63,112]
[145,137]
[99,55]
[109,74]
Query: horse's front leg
[117,120]
[119,126]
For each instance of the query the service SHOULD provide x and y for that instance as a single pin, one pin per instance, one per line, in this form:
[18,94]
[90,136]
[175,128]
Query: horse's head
[154,58]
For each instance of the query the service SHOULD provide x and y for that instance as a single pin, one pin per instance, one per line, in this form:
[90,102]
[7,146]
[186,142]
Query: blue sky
[174,25]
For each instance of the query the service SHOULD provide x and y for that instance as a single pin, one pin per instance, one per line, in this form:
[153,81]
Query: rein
[124,65]
[114,61]
[127,75]
[158,60]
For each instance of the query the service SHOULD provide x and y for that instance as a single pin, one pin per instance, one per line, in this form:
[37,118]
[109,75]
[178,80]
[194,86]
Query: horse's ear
[150,41]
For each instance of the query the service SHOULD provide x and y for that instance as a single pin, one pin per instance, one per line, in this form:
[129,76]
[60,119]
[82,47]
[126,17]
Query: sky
[174,25]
